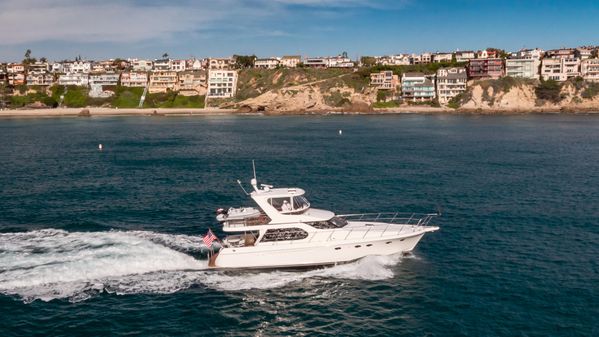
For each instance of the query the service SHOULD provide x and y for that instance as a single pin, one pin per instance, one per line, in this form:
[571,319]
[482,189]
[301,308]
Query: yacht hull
[305,255]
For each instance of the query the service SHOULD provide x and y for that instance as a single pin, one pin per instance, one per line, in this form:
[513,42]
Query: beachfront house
[442,57]
[76,79]
[134,79]
[417,87]
[192,83]
[384,80]
[40,79]
[141,65]
[222,83]
[485,68]
[267,63]
[464,56]
[162,81]
[450,83]
[291,61]
[524,63]
[560,68]
[589,69]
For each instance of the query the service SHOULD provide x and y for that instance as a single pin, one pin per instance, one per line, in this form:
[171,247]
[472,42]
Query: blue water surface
[98,243]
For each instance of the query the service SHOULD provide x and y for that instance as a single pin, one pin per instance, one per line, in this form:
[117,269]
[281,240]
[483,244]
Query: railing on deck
[416,219]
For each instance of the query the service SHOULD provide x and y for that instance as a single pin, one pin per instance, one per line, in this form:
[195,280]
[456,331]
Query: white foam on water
[51,264]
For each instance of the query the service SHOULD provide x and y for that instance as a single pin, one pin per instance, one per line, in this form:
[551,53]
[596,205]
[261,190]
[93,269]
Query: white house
[339,62]
[141,65]
[82,67]
[589,70]
[267,63]
[450,83]
[291,61]
[78,79]
[220,63]
[104,79]
[178,65]
[464,56]
[393,60]
[560,69]
[162,65]
[222,83]
[134,79]
[417,87]
[38,67]
[40,79]
[442,57]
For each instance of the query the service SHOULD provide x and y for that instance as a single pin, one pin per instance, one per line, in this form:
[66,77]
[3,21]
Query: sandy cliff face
[522,97]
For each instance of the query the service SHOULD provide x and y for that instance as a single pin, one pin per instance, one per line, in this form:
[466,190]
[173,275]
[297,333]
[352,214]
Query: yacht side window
[300,202]
[284,234]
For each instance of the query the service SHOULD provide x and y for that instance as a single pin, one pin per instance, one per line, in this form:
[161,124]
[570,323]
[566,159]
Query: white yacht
[285,231]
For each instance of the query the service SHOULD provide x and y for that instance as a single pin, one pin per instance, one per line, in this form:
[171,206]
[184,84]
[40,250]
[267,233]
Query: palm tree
[165,55]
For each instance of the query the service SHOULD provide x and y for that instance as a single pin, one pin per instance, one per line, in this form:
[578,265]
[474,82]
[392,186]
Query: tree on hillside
[500,52]
[367,61]
[28,59]
[165,55]
[549,90]
[244,61]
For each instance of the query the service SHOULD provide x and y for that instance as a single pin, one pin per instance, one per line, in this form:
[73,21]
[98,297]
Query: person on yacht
[286,206]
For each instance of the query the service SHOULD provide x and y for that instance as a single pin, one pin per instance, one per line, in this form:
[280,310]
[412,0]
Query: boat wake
[55,264]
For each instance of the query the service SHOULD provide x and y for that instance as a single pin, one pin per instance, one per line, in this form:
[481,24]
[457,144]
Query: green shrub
[549,90]
[591,90]
[383,105]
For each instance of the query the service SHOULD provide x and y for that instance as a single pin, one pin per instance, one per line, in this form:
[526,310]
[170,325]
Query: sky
[64,29]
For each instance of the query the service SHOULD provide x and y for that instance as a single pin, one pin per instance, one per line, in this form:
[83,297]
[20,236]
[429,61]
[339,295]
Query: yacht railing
[383,225]
[416,219]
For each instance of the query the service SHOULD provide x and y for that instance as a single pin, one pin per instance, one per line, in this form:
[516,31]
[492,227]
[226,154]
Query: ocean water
[97,243]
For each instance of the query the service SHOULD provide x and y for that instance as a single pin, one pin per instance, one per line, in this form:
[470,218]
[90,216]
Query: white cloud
[115,21]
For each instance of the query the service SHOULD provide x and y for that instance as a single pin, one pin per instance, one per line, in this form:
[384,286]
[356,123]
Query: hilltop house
[267,63]
[81,67]
[291,61]
[192,83]
[450,83]
[339,62]
[485,68]
[14,68]
[162,65]
[77,79]
[141,65]
[316,62]
[560,68]
[417,87]
[38,68]
[134,79]
[464,56]
[384,80]
[194,64]
[220,63]
[487,54]
[178,65]
[40,79]
[589,70]
[393,60]
[563,53]
[162,81]
[222,83]
[442,57]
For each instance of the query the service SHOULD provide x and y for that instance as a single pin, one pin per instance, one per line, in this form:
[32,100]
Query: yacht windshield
[300,202]
[338,222]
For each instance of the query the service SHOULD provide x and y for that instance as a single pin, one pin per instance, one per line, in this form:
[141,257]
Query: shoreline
[95,111]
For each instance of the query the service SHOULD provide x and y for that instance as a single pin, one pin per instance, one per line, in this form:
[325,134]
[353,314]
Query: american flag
[208,238]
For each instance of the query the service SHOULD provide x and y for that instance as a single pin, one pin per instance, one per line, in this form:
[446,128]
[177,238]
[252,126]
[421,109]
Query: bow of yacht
[284,230]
